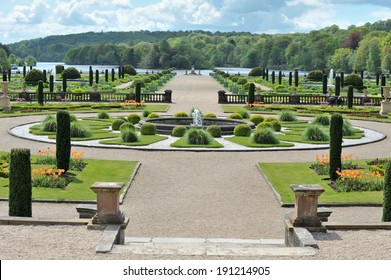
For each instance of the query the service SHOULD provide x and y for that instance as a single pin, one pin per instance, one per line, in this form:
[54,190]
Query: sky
[26,19]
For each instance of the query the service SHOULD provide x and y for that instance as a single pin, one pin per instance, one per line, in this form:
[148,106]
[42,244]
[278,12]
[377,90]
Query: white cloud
[383,14]
[30,14]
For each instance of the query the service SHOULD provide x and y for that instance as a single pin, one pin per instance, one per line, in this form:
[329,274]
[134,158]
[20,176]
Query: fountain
[165,125]
[331,77]
[197,118]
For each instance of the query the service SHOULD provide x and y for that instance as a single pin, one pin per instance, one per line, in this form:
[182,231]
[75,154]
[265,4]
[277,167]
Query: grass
[300,173]
[143,140]
[244,141]
[79,188]
[180,143]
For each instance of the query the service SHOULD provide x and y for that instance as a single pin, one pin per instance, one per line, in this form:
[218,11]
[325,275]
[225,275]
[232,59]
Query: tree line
[366,47]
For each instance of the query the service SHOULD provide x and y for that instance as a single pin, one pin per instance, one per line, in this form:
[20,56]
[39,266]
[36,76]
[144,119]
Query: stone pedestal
[4,86]
[306,205]
[385,108]
[107,210]
[5,103]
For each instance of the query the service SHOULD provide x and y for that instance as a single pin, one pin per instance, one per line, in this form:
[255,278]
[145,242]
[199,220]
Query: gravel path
[190,194]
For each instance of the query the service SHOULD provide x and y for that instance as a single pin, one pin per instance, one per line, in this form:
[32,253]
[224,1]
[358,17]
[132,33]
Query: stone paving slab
[210,247]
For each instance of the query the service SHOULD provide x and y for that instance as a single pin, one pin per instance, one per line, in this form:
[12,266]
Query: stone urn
[386,91]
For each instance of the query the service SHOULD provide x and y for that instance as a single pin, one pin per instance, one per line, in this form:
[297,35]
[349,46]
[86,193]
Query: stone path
[125,85]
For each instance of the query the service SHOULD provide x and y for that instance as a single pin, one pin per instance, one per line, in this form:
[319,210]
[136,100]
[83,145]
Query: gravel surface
[192,194]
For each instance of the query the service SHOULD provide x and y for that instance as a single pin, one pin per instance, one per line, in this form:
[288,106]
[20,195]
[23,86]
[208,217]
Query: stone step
[209,247]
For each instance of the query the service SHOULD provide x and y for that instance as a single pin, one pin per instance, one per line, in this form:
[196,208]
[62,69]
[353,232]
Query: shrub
[129,136]
[275,123]
[71,73]
[234,79]
[347,128]
[148,129]
[40,93]
[256,119]
[181,115]
[133,118]
[34,76]
[242,130]
[242,81]
[245,114]
[256,72]
[353,80]
[127,126]
[179,131]
[387,194]
[73,118]
[323,119]
[115,125]
[315,75]
[270,119]
[251,92]
[287,116]
[214,130]
[350,97]
[196,136]
[103,115]
[264,136]
[63,140]
[263,125]
[129,69]
[153,115]
[314,133]
[235,116]
[146,113]
[49,124]
[336,126]
[20,187]
[210,115]
[79,131]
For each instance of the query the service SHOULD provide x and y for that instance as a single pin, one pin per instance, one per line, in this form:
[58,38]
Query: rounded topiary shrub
[148,129]
[196,136]
[153,115]
[127,126]
[129,136]
[133,118]
[116,124]
[256,119]
[103,115]
[353,80]
[276,125]
[235,116]
[256,72]
[314,133]
[244,114]
[129,69]
[323,119]
[315,75]
[214,130]
[242,81]
[79,131]
[34,76]
[146,113]
[242,130]
[71,73]
[49,124]
[263,125]
[181,115]
[264,135]
[210,115]
[270,119]
[287,116]
[179,131]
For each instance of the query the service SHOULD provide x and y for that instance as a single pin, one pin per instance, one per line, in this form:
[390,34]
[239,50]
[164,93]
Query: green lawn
[180,143]
[143,140]
[282,175]
[244,141]
[79,188]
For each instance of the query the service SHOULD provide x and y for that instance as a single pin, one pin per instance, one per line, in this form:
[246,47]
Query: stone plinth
[385,108]
[5,103]
[107,210]
[306,205]
[4,86]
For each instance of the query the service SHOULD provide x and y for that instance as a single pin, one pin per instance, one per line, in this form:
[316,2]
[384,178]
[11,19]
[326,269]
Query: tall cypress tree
[336,133]
[387,194]
[63,140]
[20,187]
[251,92]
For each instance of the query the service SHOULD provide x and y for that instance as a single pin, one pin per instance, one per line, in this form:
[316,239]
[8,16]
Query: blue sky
[26,19]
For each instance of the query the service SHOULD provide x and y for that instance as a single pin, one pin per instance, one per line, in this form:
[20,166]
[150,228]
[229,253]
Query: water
[331,77]
[197,118]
